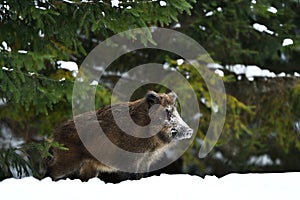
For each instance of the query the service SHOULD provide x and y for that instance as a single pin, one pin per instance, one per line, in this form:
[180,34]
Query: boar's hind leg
[62,165]
[88,170]
[60,170]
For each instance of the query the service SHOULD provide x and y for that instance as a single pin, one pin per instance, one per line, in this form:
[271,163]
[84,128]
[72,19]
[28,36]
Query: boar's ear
[173,96]
[152,98]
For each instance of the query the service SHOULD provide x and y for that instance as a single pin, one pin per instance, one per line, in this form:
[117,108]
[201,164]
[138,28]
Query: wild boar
[77,159]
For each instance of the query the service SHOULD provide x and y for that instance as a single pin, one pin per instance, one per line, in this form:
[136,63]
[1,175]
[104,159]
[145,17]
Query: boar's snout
[180,129]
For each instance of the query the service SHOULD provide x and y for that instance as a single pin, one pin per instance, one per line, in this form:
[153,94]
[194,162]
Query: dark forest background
[262,128]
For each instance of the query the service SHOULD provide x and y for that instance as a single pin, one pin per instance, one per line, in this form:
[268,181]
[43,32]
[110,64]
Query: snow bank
[183,187]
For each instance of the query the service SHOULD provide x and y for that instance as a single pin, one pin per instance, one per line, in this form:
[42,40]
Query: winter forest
[254,46]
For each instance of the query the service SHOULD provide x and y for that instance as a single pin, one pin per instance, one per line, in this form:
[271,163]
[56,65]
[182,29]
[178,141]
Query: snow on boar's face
[164,106]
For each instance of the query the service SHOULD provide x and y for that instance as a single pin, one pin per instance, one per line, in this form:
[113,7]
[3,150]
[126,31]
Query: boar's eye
[174,132]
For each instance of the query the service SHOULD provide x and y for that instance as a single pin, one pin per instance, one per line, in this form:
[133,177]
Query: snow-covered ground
[184,187]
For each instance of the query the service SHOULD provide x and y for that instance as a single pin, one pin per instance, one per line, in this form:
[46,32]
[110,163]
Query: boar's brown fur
[78,159]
